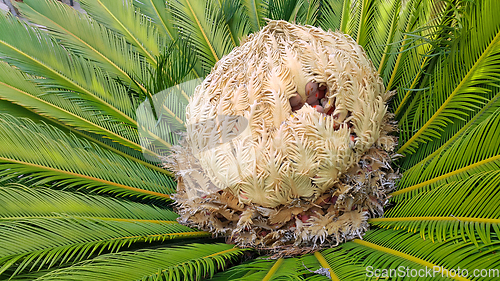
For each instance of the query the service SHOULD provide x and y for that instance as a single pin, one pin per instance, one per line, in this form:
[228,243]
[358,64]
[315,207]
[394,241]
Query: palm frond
[204,28]
[309,13]
[88,74]
[86,37]
[458,161]
[47,227]
[7,107]
[419,25]
[34,243]
[233,15]
[157,11]
[388,249]
[351,18]
[284,10]
[330,15]
[36,53]
[422,47]
[190,262]
[366,20]
[159,132]
[122,17]
[100,104]
[23,203]
[457,84]
[453,132]
[384,28]
[466,208]
[382,22]
[17,88]
[342,265]
[25,276]
[256,11]
[281,269]
[42,153]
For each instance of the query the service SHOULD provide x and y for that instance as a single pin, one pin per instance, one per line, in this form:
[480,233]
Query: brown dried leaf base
[336,216]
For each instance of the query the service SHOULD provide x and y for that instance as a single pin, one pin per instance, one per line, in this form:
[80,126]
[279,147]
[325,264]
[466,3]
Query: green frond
[431,29]
[457,83]
[28,276]
[388,249]
[256,11]
[465,208]
[34,243]
[23,203]
[204,28]
[7,107]
[284,10]
[428,151]
[351,18]
[312,14]
[254,270]
[383,28]
[72,112]
[342,265]
[367,16]
[190,262]
[346,15]
[411,46]
[298,268]
[42,153]
[46,227]
[384,34]
[126,20]
[119,77]
[458,161]
[36,53]
[330,15]
[17,88]
[233,14]
[86,37]
[157,11]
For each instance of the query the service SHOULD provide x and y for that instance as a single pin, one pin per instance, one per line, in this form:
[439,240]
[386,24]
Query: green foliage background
[80,201]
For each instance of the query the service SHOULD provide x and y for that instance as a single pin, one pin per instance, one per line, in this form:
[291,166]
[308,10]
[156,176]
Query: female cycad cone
[287,145]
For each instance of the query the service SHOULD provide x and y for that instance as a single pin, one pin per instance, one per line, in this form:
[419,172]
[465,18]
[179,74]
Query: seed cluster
[288,143]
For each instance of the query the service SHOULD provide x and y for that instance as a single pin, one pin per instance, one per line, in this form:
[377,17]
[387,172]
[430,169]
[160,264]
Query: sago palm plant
[92,103]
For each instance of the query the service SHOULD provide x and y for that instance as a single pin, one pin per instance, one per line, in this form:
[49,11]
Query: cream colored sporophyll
[288,143]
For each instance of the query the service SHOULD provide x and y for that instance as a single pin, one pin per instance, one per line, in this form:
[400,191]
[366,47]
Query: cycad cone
[268,171]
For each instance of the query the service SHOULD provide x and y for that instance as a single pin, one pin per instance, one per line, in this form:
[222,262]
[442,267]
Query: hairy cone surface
[287,146]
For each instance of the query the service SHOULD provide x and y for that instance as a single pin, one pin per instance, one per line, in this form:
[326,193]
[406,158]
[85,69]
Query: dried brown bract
[288,143]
